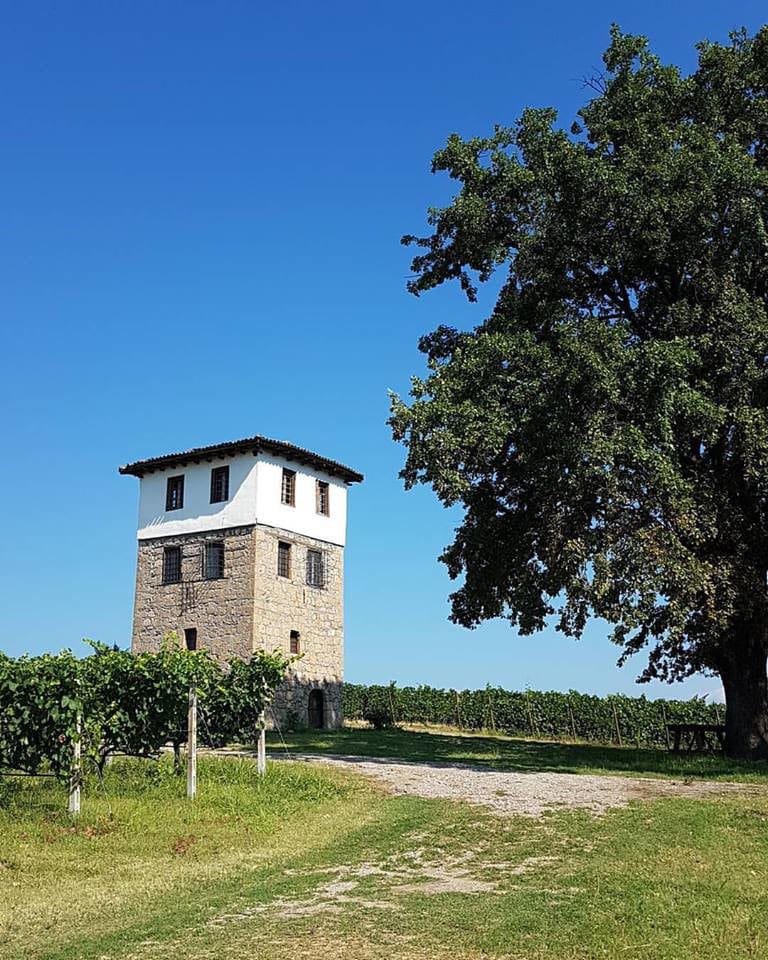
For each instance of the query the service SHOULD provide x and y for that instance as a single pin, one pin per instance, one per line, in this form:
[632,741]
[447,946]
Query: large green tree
[605,429]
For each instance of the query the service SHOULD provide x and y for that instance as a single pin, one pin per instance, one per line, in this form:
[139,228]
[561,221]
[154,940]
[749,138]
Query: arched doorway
[316,709]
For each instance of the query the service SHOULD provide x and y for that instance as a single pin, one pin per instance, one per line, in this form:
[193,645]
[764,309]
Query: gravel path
[511,794]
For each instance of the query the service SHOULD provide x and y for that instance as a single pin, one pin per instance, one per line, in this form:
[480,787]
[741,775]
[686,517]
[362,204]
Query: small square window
[283,559]
[172,565]
[323,504]
[174,493]
[288,490]
[213,561]
[294,641]
[315,568]
[219,484]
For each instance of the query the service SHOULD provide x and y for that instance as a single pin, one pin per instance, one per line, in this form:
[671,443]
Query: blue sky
[202,205]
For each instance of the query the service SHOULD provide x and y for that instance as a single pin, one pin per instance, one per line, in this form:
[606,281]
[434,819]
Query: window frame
[294,642]
[167,552]
[323,498]
[220,473]
[220,569]
[172,485]
[319,583]
[284,551]
[289,475]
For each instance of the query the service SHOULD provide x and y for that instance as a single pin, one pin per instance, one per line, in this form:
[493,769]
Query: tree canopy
[605,429]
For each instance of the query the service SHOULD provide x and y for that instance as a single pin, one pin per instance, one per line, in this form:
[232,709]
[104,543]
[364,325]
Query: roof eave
[294,454]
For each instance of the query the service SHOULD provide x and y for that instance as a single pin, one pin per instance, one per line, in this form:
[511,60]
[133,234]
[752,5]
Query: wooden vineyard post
[458,709]
[616,721]
[392,706]
[666,727]
[261,743]
[192,744]
[76,773]
[573,721]
[261,747]
[530,711]
[490,709]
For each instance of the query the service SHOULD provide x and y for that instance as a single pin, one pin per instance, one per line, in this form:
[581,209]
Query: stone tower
[241,548]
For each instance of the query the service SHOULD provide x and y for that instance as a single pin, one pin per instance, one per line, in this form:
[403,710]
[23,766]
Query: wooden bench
[697,737]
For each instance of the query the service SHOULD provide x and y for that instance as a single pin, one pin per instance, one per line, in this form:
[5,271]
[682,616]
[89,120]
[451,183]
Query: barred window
[294,641]
[219,484]
[213,560]
[315,568]
[283,559]
[171,564]
[322,498]
[288,491]
[174,493]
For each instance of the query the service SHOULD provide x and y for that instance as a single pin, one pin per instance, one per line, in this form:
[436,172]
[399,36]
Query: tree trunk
[746,706]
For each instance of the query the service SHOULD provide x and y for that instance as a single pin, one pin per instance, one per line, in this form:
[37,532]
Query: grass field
[316,860]
[447,745]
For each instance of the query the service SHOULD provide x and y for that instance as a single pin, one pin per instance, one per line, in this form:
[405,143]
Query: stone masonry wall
[221,610]
[251,608]
[283,604]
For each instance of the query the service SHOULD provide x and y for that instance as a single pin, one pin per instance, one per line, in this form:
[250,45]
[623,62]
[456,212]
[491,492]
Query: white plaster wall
[303,518]
[255,485]
[198,513]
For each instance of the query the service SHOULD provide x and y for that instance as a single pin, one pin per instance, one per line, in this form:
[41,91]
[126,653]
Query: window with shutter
[174,493]
[172,565]
[315,568]
[288,490]
[213,560]
[219,484]
[322,497]
[283,559]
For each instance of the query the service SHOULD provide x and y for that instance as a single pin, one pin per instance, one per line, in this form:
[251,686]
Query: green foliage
[636,720]
[233,707]
[134,704]
[125,703]
[605,429]
[40,698]
[376,705]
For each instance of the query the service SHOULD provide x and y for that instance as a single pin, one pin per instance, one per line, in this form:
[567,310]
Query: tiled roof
[249,444]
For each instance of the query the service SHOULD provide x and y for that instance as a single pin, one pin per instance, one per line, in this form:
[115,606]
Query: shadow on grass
[506,753]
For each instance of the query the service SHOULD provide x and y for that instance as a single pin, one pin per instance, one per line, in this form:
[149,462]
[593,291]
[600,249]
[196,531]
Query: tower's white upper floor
[256,480]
